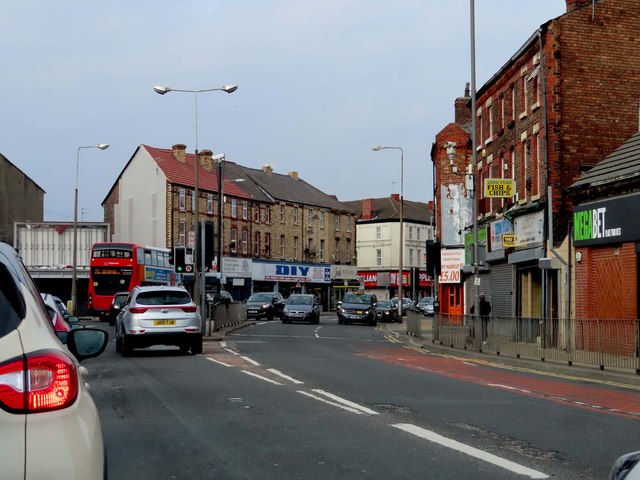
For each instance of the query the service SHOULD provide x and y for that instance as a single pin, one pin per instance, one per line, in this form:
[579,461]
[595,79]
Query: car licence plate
[252,311]
[164,322]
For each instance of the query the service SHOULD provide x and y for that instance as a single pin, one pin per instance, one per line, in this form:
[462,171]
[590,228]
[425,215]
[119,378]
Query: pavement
[620,378]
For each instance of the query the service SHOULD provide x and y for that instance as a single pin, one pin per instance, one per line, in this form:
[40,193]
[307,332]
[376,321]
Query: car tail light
[138,309]
[40,382]
[192,309]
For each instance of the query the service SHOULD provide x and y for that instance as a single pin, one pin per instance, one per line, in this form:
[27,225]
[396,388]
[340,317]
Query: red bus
[118,267]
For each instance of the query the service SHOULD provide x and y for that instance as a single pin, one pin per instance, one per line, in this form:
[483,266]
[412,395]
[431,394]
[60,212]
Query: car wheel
[118,342]
[196,346]
[127,348]
[184,349]
[316,320]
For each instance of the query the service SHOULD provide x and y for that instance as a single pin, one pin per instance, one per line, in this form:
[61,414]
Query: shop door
[452,298]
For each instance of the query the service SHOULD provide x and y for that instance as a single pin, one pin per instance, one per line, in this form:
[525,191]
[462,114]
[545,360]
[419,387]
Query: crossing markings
[469,450]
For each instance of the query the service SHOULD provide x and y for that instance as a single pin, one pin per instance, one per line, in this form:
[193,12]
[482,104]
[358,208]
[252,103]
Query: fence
[602,343]
[225,314]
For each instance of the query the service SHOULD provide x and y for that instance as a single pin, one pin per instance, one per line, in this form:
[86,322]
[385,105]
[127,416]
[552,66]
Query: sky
[319,83]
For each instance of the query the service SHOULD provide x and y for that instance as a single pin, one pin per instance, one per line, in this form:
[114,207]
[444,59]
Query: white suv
[43,397]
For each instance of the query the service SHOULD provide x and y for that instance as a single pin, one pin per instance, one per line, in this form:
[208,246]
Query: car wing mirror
[71,319]
[86,343]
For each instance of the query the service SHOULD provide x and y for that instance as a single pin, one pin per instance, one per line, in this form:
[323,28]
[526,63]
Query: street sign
[498,187]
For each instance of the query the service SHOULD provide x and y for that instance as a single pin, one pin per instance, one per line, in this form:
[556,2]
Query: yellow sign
[498,187]
[508,240]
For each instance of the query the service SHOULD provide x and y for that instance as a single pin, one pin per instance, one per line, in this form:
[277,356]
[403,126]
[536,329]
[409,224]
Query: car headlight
[264,307]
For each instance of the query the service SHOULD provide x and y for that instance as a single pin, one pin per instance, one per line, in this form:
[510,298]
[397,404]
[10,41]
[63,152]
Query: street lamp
[219,159]
[198,283]
[74,278]
[377,148]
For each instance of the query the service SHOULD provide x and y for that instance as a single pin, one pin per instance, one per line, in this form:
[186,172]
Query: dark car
[426,306]
[406,303]
[116,305]
[301,307]
[265,305]
[358,307]
[388,312]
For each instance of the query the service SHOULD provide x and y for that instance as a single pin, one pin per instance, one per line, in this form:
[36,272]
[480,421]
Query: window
[267,214]
[418,229]
[337,250]
[309,217]
[321,250]
[295,215]
[182,227]
[378,233]
[337,222]
[490,123]
[378,257]
[411,256]
[502,112]
[322,214]
[410,233]
[348,223]
[480,131]
[267,244]
[282,246]
[525,94]
[256,244]
[245,210]
[295,247]
[234,208]
[348,250]
[234,239]
[419,258]
[282,211]
[193,201]
[256,213]
[210,203]
[183,202]
[524,168]
[513,102]
[536,165]
[245,242]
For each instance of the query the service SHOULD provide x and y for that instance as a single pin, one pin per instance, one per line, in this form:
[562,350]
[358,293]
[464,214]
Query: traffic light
[433,258]
[208,246]
[171,257]
[179,259]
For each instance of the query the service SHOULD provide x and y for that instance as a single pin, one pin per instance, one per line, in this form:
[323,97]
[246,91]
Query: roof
[24,174]
[184,173]
[388,209]
[622,164]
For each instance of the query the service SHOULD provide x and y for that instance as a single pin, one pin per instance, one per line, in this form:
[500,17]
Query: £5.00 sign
[451,262]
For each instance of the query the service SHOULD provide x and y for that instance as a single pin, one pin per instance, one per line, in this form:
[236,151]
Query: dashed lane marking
[286,377]
[261,377]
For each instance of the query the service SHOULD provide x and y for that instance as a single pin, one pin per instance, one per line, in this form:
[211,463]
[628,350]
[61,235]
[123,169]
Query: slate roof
[621,164]
[388,209]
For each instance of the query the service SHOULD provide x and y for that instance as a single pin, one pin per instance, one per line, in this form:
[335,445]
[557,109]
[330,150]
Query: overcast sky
[319,83]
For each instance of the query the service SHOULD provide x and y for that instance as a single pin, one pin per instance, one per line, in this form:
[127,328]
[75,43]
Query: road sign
[498,187]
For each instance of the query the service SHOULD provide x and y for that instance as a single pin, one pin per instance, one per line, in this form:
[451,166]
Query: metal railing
[591,342]
[225,314]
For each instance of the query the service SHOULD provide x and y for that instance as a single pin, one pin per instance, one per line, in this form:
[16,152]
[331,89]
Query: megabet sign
[608,221]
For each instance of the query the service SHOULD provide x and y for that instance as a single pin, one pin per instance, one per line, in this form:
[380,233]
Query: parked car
[265,304]
[388,312]
[219,297]
[52,413]
[159,315]
[406,303]
[61,322]
[426,306]
[301,307]
[116,306]
[358,307]
[626,467]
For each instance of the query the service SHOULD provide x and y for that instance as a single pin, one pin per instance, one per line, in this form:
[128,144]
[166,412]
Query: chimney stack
[395,196]
[268,169]
[205,159]
[368,207]
[462,108]
[294,175]
[179,152]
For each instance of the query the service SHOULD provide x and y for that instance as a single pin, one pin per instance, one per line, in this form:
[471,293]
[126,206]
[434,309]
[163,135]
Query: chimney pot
[179,152]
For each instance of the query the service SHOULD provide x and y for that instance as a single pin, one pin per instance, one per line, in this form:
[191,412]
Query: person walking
[485,311]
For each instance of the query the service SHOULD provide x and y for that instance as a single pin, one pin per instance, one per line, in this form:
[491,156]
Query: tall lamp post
[74,278]
[474,158]
[377,148]
[219,159]
[198,289]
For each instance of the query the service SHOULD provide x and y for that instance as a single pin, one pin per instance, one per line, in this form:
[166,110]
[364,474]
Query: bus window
[147,257]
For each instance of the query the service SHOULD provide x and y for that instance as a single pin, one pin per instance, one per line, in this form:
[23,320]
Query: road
[333,401]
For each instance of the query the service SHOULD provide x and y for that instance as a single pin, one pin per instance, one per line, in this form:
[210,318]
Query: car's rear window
[261,297]
[163,298]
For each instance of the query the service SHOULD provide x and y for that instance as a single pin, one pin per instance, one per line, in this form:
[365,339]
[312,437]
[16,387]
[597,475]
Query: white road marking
[223,344]
[261,377]
[471,451]
[252,362]
[219,362]
[231,351]
[316,332]
[508,387]
[344,407]
[286,377]
[345,402]
[470,364]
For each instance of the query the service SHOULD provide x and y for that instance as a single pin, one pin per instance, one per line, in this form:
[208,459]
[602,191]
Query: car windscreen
[385,304]
[260,297]
[426,300]
[300,300]
[353,298]
[163,298]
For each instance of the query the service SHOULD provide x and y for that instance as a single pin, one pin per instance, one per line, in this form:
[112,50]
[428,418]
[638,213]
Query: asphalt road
[333,401]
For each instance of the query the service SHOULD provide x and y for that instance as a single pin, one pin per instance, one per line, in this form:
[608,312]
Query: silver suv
[44,400]
[159,315]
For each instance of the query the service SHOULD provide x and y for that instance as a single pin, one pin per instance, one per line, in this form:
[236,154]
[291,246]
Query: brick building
[561,103]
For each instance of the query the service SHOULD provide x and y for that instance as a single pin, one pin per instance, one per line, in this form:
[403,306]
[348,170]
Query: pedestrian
[485,311]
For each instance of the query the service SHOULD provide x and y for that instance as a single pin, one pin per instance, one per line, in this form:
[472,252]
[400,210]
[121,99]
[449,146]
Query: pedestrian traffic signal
[433,258]
[179,259]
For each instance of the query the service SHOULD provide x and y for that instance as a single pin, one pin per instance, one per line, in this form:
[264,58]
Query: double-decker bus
[118,267]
